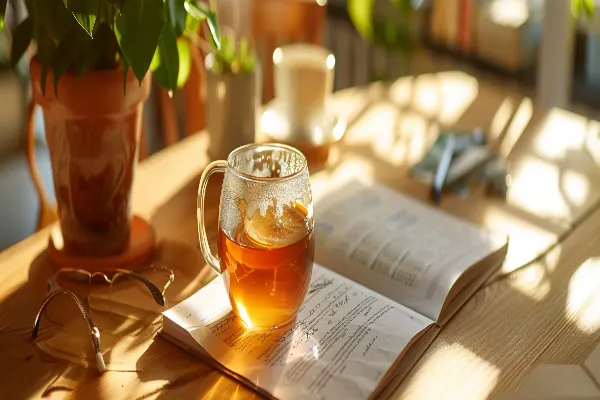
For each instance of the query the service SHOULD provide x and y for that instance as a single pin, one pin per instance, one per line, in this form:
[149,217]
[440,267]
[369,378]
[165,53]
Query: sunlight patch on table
[517,127]
[221,386]
[444,96]
[400,92]
[592,144]
[536,188]
[575,186]
[561,131]
[472,376]
[552,258]
[526,242]
[532,281]
[378,120]
[353,168]
[501,119]
[583,297]
[413,129]
[159,171]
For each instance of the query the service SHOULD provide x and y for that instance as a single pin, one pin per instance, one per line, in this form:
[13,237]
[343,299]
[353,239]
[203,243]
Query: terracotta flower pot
[93,129]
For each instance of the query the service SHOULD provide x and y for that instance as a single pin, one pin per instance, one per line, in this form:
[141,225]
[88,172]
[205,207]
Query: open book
[389,273]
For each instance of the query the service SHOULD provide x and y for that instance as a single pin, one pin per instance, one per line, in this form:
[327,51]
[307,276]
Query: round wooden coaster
[141,246]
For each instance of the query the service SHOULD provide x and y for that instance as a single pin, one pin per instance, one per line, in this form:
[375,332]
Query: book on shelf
[389,272]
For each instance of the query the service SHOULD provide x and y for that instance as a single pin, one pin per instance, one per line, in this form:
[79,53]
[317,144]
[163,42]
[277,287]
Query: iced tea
[266,264]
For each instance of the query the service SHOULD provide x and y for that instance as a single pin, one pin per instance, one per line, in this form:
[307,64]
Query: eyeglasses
[129,295]
[81,282]
[94,332]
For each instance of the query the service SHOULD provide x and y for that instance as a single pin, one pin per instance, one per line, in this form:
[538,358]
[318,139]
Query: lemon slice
[271,231]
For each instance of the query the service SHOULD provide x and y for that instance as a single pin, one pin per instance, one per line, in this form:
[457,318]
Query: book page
[404,249]
[344,340]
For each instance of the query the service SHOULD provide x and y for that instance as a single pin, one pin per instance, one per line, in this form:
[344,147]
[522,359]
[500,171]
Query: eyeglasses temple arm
[154,290]
[94,332]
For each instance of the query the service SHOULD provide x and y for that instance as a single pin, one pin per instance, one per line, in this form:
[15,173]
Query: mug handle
[215,166]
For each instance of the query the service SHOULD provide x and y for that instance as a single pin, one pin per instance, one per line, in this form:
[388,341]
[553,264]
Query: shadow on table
[27,370]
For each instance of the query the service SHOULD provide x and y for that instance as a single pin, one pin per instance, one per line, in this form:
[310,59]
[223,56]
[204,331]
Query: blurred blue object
[19,201]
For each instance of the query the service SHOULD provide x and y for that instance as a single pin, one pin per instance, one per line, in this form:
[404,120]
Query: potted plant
[231,93]
[91,76]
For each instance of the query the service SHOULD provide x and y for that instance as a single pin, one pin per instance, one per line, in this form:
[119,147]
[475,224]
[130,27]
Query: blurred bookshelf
[488,54]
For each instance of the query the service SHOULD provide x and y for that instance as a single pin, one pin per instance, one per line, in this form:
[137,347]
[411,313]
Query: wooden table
[544,312]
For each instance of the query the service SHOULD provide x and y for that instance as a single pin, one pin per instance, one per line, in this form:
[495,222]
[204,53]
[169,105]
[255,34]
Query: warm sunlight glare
[353,168]
[527,240]
[536,188]
[305,351]
[244,315]
[400,92]
[512,13]
[219,387]
[56,237]
[414,130]
[378,120]
[277,56]
[501,119]
[532,282]
[348,103]
[167,176]
[444,96]
[583,299]
[517,127]
[592,144]
[273,124]
[575,186]
[552,258]
[471,376]
[561,131]
[397,137]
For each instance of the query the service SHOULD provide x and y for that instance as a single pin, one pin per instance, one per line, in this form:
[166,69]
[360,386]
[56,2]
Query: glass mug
[265,239]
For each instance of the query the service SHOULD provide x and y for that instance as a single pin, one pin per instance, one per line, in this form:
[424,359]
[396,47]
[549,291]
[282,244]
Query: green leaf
[67,53]
[178,15]
[185,62]
[54,17]
[575,8]
[138,31]
[588,5]
[93,54]
[3,8]
[45,45]
[201,11]
[192,24]
[403,5]
[247,56]
[125,65]
[21,39]
[118,3]
[361,14]
[166,69]
[85,12]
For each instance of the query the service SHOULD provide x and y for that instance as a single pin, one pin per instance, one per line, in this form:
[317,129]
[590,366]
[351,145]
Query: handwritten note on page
[409,252]
[344,340]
